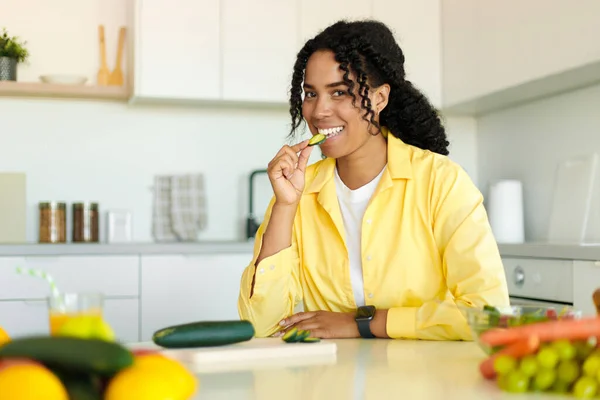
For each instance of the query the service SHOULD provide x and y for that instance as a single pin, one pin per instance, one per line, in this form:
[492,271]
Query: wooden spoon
[596,298]
[116,77]
[103,72]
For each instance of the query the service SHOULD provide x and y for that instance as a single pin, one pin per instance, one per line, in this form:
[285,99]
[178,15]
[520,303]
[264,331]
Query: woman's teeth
[331,132]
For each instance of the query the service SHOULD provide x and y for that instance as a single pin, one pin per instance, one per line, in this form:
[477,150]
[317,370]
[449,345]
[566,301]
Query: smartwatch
[363,318]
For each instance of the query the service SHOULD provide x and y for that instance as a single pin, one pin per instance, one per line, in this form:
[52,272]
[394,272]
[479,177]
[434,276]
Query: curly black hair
[369,50]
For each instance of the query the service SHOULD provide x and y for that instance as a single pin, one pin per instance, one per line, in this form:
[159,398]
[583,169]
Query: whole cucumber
[204,334]
[84,355]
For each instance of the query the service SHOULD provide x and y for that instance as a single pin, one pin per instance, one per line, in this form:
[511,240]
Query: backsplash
[529,142]
[109,153]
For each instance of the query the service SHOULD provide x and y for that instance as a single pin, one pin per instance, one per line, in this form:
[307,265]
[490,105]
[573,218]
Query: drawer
[542,279]
[111,275]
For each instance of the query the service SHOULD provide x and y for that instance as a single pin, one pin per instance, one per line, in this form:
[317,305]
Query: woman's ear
[382,95]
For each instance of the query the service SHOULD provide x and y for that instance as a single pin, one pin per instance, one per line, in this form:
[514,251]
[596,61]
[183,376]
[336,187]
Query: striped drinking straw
[43,275]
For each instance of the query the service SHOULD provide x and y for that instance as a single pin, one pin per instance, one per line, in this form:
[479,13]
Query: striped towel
[161,211]
[188,206]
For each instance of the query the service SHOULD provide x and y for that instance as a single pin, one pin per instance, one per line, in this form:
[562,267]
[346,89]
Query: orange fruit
[4,338]
[170,368]
[152,377]
[30,381]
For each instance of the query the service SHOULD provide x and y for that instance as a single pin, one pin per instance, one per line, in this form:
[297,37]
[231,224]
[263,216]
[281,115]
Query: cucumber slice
[302,335]
[311,340]
[290,335]
[317,139]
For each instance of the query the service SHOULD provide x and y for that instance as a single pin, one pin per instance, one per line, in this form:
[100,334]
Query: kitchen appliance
[539,282]
[505,209]
[252,223]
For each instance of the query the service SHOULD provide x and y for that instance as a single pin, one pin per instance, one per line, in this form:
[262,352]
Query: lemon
[87,327]
[30,382]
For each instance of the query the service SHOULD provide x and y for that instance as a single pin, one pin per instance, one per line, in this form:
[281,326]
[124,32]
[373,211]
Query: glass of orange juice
[65,306]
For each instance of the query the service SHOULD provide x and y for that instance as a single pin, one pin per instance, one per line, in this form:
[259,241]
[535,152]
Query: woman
[386,237]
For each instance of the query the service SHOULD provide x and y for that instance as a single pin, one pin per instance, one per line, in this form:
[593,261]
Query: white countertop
[363,369]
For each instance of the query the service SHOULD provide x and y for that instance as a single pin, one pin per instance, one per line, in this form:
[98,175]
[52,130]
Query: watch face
[365,312]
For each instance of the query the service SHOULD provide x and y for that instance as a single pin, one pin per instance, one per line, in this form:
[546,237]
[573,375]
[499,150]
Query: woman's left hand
[322,324]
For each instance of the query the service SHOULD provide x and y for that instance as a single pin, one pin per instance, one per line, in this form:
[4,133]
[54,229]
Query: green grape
[591,365]
[585,387]
[565,349]
[502,382]
[528,365]
[547,357]
[584,349]
[504,364]
[560,387]
[544,379]
[517,382]
[568,371]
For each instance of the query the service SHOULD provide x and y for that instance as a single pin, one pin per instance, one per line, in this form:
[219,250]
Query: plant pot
[8,69]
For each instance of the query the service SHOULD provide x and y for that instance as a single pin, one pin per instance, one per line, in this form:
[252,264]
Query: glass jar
[85,222]
[53,222]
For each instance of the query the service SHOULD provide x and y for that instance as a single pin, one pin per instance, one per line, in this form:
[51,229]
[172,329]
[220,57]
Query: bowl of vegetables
[488,317]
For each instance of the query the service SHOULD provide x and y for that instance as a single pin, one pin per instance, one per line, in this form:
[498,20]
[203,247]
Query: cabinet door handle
[35,302]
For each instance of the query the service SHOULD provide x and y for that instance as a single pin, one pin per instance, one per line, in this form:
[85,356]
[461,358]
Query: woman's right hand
[286,173]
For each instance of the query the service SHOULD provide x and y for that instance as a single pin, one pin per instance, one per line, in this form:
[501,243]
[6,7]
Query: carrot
[519,349]
[574,329]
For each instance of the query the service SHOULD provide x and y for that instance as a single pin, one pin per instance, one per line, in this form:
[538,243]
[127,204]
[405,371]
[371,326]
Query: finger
[298,147]
[303,158]
[294,319]
[282,166]
[290,153]
[308,325]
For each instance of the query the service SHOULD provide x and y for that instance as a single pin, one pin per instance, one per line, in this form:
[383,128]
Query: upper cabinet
[499,53]
[177,52]
[416,25]
[241,51]
[316,15]
[258,49]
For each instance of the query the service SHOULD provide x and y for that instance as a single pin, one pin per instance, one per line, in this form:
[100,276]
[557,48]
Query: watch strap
[364,328]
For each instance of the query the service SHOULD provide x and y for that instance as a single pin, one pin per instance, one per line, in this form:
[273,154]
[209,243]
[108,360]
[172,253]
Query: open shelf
[34,89]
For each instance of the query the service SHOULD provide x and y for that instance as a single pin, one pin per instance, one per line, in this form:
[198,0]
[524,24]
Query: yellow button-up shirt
[426,244]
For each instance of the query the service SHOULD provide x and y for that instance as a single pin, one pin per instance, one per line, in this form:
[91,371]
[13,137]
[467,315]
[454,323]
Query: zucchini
[81,386]
[311,340]
[290,336]
[204,334]
[317,139]
[298,336]
[71,353]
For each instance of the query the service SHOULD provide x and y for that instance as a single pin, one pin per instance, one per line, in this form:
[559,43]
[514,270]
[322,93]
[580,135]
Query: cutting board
[255,353]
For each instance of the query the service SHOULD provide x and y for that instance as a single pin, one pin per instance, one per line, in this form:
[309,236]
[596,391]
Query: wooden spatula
[596,298]
[103,72]
[116,77]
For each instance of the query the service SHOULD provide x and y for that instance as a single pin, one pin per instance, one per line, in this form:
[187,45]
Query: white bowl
[64,79]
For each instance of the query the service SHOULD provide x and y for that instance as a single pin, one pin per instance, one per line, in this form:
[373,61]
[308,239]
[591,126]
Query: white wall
[528,142]
[109,153]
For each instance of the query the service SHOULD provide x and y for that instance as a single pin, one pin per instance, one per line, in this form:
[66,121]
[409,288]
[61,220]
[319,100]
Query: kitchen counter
[363,369]
[144,248]
[554,251]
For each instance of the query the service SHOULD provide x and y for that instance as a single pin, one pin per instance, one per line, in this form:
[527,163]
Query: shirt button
[369,221]
[272,267]
[370,295]
[261,271]
[369,258]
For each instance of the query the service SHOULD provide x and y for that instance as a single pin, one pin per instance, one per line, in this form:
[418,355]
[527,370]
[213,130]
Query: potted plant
[12,52]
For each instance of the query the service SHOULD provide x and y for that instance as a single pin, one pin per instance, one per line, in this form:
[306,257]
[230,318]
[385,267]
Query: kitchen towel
[188,206]
[505,211]
[161,212]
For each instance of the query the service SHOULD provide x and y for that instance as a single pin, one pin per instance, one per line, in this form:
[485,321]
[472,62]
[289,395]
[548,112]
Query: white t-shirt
[353,204]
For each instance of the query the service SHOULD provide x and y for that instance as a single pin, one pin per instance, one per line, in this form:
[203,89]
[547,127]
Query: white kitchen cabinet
[185,288]
[177,52]
[24,317]
[110,275]
[586,279]
[416,25]
[316,15]
[496,53]
[30,317]
[259,46]
[124,318]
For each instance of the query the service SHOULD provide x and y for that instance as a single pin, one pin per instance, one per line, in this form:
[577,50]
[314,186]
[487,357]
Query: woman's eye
[308,95]
[339,93]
